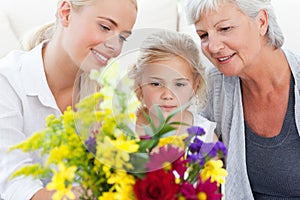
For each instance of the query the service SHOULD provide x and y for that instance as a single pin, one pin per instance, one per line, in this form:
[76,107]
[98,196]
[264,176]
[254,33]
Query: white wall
[288,15]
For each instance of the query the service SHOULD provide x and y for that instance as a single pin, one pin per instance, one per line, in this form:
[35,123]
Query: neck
[60,71]
[271,72]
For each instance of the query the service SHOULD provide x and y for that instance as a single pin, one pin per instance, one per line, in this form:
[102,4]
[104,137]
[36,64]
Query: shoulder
[293,60]
[294,63]
[291,56]
[20,66]
[10,67]
[203,122]
[208,126]
[219,86]
[11,61]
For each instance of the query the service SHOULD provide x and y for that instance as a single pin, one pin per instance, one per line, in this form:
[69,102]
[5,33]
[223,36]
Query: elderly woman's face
[230,39]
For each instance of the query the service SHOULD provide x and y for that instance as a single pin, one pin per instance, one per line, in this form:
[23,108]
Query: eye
[225,29]
[123,38]
[180,84]
[203,36]
[156,84]
[104,27]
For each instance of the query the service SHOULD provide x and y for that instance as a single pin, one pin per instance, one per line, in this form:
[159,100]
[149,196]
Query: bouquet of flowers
[96,148]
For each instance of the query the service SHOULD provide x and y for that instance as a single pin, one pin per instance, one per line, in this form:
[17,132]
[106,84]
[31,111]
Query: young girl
[169,74]
[40,82]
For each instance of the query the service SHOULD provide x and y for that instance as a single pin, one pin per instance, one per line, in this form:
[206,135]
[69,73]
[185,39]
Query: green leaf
[148,130]
[139,160]
[148,144]
[159,113]
[174,112]
[149,120]
[165,129]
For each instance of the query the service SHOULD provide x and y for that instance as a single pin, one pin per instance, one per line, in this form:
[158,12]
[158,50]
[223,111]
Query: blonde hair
[162,45]
[83,85]
[46,31]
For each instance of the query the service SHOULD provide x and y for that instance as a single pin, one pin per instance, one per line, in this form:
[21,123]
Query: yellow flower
[214,170]
[59,182]
[177,140]
[123,185]
[107,196]
[129,146]
[58,154]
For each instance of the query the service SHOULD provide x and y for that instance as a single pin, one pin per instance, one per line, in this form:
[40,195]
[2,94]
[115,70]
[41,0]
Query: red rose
[156,185]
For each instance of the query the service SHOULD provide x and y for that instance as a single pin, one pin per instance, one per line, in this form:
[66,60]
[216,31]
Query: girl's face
[168,84]
[230,39]
[94,34]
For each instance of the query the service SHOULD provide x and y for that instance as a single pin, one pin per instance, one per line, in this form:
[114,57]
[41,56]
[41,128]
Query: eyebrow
[177,79]
[115,24]
[199,30]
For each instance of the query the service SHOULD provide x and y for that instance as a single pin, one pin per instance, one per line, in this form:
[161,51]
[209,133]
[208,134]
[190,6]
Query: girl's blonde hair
[161,46]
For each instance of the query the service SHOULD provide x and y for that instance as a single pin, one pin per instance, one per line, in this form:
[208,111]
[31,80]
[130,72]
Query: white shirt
[207,125]
[25,102]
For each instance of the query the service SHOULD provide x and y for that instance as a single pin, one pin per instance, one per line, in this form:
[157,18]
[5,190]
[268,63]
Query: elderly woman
[254,96]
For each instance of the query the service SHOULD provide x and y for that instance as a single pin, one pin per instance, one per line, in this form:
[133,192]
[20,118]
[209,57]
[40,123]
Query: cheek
[204,49]
[149,96]
[184,96]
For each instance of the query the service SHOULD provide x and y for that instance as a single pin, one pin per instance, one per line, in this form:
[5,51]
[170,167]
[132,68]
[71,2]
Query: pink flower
[166,155]
[206,190]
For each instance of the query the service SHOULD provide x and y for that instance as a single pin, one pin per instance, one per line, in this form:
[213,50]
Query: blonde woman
[40,82]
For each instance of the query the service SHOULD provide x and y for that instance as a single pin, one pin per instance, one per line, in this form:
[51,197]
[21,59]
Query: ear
[139,94]
[63,12]
[263,21]
[196,84]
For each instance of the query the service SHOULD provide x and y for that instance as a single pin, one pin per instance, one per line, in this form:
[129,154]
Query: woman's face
[168,84]
[230,39]
[94,34]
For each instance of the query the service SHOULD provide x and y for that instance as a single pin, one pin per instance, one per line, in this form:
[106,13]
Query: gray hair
[161,46]
[195,9]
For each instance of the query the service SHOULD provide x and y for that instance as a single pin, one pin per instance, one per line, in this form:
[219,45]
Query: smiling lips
[224,59]
[100,57]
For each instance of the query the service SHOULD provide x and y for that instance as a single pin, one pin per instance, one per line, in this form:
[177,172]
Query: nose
[114,45]
[215,44]
[167,94]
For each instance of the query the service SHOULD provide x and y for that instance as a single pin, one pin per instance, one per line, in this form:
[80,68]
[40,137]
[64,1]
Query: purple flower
[195,147]
[220,148]
[196,158]
[196,130]
[208,149]
[91,144]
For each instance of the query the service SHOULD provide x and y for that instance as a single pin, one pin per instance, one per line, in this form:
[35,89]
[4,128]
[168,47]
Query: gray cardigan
[225,108]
